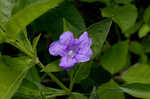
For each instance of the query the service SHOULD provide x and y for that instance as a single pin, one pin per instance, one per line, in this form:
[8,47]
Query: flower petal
[84,40]
[67,63]
[66,38]
[84,55]
[57,49]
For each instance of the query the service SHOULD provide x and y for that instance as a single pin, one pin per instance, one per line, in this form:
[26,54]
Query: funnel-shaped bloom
[71,50]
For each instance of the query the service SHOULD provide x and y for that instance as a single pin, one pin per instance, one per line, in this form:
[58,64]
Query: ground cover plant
[74,49]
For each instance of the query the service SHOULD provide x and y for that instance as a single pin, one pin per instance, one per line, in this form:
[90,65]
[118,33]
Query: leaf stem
[53,77]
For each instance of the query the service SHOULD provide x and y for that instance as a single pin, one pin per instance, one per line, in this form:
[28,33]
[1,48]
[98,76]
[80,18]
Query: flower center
[71,54]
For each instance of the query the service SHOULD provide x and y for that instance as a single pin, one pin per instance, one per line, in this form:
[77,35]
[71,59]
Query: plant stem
[59,83]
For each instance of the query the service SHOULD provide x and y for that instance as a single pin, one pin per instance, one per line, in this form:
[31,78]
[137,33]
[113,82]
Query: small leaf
[137,90]
[110,91]
[52,67]
[144,30]
[136,48]
[35,42]
[76,96]
[115,58]
[138,74]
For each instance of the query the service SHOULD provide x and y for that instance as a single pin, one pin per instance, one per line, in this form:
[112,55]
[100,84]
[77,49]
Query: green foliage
[137,90]
[137,74]
[115,58]
[98,33]
[52,67]
[12,72]
[28,27]
[109,90]
[125,16]
[16,23]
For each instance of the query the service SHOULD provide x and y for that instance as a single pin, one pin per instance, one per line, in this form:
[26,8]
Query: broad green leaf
[72,15]
[110,90]
[35,43]
[125,16]
[77,96]
[137,90]
[52,67]
[24,17]
[94,94]
[138,74]
[68,26]
[144,30]
[82,72]
[115,58]
[98,33]
[12,72]
[136,48]
[21,4]
[147,16]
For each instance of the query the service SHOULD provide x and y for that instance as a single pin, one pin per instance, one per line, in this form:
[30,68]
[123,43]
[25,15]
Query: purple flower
[71,50]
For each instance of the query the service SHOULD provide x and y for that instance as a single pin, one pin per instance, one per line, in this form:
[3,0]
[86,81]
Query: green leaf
[33,75]
[144,30]
[137,90]
[82,72]
[52,67]
[110,90]
[138,74]
[98,33]
[125,16]
[24,17]
[136,48]
[12,72]
[133,29]
[72,16]
[35,42]
[76,96]
[147,16]
[115,58]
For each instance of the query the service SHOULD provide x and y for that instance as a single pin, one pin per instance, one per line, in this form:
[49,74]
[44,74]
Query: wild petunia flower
[71,50]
